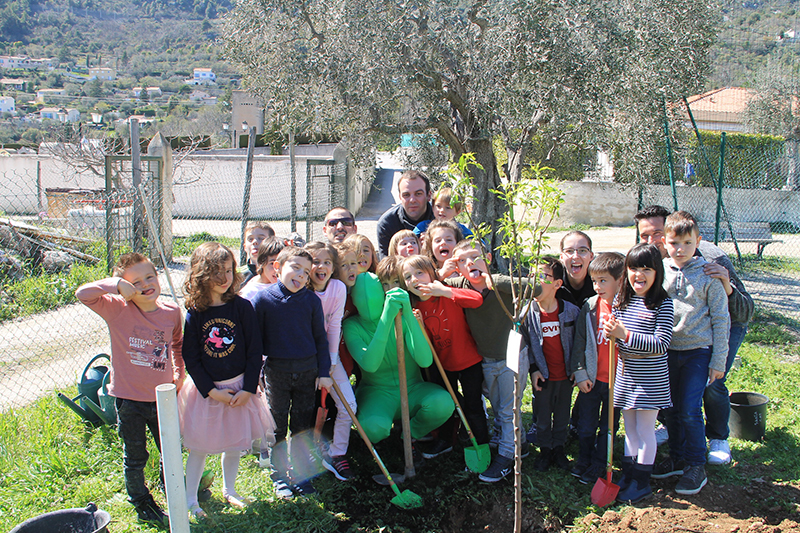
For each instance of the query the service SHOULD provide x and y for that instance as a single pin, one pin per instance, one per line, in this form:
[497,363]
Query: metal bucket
[748,419]
[88,520]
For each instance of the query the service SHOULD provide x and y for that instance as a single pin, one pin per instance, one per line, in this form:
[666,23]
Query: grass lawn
[49,460]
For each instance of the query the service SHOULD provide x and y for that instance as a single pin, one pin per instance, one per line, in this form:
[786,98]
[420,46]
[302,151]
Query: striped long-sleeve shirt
[649,330]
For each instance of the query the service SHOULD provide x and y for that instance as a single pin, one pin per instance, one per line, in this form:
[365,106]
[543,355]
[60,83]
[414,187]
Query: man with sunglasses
[339,223]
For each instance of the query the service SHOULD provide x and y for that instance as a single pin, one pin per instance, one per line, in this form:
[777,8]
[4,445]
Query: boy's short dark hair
[260,224]
[126,261]
[290,252]
[555,266]
[651,211]
[575,232]
[387,268]
[271,247]
[611,262]
[680,223]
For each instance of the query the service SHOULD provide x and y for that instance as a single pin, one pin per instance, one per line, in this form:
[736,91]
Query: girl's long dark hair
[644,255]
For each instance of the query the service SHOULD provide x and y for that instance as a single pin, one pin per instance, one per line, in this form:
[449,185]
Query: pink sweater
[145,347]
[333,299]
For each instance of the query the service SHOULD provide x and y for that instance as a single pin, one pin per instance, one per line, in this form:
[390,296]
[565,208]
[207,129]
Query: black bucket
[748,419]
[89,520]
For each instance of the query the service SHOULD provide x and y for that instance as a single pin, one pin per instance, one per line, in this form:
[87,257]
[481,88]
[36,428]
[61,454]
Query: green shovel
[405,499]
[477,456]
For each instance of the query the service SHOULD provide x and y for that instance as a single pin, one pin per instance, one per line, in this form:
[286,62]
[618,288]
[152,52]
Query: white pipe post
[170,430]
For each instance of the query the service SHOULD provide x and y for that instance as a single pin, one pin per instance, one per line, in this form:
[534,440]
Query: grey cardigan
[584,350]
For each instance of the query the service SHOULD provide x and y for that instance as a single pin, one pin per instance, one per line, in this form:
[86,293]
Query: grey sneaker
[693,480]
[500,468]
[668,468]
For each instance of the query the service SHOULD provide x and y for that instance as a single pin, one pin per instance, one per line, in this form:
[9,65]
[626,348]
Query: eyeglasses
[332,223]
[582,251]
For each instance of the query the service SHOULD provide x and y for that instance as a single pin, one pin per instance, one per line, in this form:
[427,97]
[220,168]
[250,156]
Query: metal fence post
[719,190]
[136,167]
[248,179]
[670,166]
[293,207]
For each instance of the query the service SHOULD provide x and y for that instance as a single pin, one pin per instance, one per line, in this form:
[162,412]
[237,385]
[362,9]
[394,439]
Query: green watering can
[93,403]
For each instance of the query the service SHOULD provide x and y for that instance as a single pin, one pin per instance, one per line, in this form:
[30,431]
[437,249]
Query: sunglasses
[343,221]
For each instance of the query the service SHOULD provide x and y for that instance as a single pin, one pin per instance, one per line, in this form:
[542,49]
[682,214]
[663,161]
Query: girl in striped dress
[642,325]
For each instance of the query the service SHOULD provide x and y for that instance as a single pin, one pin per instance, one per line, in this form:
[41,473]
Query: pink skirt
[210,427]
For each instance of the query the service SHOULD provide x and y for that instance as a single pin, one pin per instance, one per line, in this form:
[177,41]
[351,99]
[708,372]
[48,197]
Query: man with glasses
[576,254]
[716,401]
[339,223]
[414,207]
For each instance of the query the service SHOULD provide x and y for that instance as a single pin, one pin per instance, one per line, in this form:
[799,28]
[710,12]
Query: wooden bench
[757,232]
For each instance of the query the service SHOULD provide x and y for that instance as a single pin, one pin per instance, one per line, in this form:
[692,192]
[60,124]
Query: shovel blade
[407,500]
[381,479]
[478,458]
[604,492]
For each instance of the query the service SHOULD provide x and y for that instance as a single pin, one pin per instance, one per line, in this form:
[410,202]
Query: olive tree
[472,71]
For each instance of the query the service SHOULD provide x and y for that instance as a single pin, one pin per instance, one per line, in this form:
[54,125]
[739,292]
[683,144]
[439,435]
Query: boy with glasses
[547,332]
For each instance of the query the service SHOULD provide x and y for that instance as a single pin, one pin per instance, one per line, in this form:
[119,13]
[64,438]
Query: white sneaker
[662,435]
[719,452]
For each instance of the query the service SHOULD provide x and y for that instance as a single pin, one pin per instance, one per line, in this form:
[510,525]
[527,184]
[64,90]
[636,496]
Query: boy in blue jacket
[547,332]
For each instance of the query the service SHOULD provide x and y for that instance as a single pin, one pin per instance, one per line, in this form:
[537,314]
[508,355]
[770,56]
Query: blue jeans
[499,382]
[688,375]
[592,408]
[716,400]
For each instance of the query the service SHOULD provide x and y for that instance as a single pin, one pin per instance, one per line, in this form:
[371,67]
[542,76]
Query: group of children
[257,348]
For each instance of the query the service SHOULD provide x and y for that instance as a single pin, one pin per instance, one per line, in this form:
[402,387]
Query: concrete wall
[611,204]
[204,186]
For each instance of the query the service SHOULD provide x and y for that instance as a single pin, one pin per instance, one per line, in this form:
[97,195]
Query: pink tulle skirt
[211,427]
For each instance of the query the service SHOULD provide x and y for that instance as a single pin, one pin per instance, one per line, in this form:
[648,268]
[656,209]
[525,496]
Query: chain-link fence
[62,225]
[754,217]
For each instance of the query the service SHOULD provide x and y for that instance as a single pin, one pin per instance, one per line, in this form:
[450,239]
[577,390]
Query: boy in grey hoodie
[697,353]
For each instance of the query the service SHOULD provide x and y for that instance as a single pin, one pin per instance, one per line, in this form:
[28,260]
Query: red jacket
[448,330]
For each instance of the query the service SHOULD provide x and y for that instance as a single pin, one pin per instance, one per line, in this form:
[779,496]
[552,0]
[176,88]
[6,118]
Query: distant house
[41,94]
[720,109]
[141,119]
[151,91]
[26,62]
[202,76]
[15,62]
[12,83]
[60,114]
[48,112]
[202,97]
[7,105]
[102,73]
[97,118]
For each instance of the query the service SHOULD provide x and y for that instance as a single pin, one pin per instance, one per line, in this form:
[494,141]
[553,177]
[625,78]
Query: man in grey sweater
[716,401]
